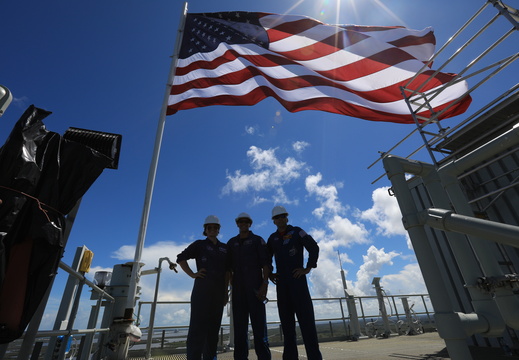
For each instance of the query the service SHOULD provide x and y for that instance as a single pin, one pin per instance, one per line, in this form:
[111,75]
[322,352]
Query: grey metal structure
[382,306]
[352,307]
[461,211]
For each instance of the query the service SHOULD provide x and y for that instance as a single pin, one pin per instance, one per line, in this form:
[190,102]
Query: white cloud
[326,278]
[250,130]
[385,213]
[125,252]
[408,281]
[269,173]
[326,194]
[299,146]
[373,262]
[348,233]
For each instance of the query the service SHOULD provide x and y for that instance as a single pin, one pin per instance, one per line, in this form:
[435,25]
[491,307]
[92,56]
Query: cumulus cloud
[326,278]
[299,146]
[385,213]
[409,281]
[348,233]
[373,262]
[326,194]
[269,173]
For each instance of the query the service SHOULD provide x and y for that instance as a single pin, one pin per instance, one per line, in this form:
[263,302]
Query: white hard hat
[243,215]
[278,210]
[212,219]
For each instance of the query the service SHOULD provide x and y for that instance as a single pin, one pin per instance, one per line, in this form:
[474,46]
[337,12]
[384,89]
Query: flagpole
[132,291]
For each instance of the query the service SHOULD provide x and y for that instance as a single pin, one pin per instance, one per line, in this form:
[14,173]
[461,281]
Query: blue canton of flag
[207,31]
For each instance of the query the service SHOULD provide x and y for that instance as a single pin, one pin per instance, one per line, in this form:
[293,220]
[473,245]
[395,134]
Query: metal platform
[424,346]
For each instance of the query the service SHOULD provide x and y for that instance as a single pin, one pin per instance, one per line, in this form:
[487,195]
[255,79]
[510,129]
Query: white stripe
[363,49]
[320,32]
[397,107]
[332,61]
[373,81]
[305,38]
[384,34]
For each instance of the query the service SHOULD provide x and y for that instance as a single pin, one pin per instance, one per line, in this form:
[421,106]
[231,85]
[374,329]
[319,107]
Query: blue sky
[103,65]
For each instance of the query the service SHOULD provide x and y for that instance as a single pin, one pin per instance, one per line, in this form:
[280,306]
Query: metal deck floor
[428,346]
[424,346]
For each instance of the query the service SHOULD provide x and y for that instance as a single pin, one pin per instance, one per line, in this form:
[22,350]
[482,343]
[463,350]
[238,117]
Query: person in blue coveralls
[287,245]
[209,294]
[250,265]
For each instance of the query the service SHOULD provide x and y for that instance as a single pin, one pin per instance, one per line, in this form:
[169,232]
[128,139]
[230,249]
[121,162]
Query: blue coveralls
[293,294]
[207,297]
[248,256]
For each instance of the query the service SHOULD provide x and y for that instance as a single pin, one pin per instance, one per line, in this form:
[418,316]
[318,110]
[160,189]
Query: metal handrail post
[154,304]
[149,340]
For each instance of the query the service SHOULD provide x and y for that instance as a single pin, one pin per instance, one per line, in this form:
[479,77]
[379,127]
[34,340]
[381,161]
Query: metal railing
[331,321]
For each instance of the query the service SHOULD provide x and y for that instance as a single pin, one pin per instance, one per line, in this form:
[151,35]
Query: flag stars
[208,32]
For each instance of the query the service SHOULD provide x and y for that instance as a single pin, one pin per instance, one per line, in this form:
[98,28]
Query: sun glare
[349,11]
[389,12]
[289,11]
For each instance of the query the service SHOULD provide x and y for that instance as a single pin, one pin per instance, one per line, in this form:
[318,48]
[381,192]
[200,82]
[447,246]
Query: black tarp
[42,177]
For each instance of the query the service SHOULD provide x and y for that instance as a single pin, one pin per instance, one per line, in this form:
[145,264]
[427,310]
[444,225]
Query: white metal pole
[152,312]
[132,291]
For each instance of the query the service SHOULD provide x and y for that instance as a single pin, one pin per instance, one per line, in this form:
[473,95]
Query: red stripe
[382,95]
[347,73]
[335,106]
[287,29]
[358,69]
[266,60]
[428,38]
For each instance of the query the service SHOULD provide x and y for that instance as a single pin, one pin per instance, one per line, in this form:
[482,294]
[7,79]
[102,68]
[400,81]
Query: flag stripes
[241,58]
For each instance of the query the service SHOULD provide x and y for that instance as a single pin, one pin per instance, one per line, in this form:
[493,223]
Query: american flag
[240,58]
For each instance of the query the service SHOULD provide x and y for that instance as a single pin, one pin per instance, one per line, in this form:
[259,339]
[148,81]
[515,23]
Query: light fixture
[102,278]
[105,143]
